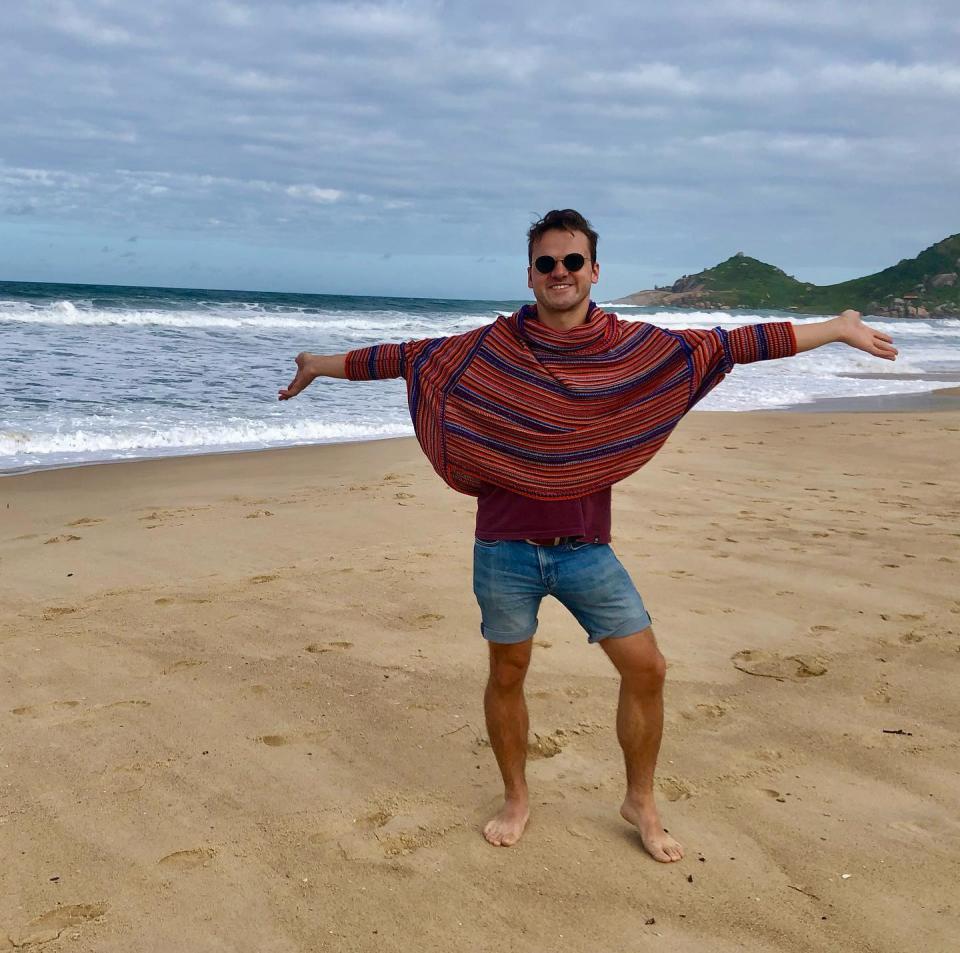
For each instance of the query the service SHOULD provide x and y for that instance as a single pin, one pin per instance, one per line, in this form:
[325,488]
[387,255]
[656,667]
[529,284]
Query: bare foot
[656,841]
[305,375]
[506,826]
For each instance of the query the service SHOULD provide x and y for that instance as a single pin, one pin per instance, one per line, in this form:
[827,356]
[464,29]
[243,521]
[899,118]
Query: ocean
[92,373]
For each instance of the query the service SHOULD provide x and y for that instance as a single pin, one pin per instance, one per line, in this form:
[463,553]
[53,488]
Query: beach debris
[453,731]
[689,878]
[650,921]
[845,876]
[806,893]
[897,731]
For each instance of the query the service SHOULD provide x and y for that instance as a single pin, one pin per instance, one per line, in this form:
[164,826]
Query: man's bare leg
[639,728]
[507,725]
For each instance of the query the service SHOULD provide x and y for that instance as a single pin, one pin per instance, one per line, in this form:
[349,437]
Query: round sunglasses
[572,262]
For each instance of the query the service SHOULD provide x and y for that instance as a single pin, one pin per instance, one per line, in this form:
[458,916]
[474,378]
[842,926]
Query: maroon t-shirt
[505,515]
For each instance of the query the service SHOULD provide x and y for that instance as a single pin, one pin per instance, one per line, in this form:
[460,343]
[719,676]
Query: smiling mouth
[560,287]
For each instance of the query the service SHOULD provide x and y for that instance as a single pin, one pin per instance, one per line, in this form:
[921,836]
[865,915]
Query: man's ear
[529,276]
[595,277]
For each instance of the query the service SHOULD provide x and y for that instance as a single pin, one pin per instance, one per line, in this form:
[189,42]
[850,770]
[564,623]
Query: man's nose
[559,269]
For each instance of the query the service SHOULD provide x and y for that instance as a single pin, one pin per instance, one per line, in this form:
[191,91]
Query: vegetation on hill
[927,285]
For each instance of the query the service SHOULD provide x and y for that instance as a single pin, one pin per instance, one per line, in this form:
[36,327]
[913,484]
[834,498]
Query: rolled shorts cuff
[637,624]
[507,638]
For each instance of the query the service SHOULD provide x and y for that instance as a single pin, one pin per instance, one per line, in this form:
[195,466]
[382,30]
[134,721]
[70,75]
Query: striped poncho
[555,415]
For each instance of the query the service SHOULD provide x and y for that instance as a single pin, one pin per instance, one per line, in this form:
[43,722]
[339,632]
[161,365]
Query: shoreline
[939,400]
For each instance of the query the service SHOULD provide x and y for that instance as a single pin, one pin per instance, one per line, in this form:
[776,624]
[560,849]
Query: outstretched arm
[309,368]
[846,328]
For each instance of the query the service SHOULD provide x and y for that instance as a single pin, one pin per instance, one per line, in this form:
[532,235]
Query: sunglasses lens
[574,262]
[545,264]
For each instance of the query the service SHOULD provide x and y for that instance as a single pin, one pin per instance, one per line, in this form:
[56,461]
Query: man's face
[562,290]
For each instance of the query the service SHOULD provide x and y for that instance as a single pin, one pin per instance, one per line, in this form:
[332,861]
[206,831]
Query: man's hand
[309,368]
[846,328]
[859,335]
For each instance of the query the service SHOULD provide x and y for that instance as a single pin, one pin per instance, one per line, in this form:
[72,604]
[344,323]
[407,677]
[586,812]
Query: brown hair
[567,220]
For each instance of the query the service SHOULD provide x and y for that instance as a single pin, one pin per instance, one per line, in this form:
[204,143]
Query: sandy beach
[242,705]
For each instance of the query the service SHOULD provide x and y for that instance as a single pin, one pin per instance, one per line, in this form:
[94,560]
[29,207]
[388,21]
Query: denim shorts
[511,577]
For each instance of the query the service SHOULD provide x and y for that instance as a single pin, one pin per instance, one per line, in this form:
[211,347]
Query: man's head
[562,253]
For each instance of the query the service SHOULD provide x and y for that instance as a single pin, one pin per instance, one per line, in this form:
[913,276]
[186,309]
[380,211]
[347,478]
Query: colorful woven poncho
[556,415]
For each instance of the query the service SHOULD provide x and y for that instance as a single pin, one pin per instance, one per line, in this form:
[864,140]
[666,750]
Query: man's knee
[638,660]
[509,664]
[651,670]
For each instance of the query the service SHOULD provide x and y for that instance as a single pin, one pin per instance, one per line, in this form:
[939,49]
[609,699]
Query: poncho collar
[594,336]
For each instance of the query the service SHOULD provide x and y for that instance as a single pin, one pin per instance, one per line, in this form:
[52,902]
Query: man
[537,415]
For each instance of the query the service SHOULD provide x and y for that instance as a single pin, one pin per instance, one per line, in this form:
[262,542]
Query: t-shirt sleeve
[712,354]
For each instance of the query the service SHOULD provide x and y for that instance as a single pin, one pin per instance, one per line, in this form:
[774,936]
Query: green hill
[928,285]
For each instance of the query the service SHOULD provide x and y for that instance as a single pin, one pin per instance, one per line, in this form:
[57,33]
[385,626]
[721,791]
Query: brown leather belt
[553,541]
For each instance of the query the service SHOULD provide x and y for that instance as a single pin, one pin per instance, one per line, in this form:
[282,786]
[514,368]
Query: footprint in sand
[281,741]
[544,746]
[35,711]
[422,621]
[85,521]
[771,665]
[319,647]
[123,779]
[913,831]
[257,580]
[189,859]
[423,706]
[676,789]
[391,831]
[66,538]
[56,612]
[820,629]
[706,711]
[173,600]
[48,926]
[274,741]
[182,664]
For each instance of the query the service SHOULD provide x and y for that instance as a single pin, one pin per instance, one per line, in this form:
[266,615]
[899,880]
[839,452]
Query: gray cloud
[809,133]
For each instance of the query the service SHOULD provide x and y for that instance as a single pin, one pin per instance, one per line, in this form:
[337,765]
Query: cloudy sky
[404,147]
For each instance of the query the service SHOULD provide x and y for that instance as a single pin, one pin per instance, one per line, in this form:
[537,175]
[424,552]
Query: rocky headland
[927,286]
